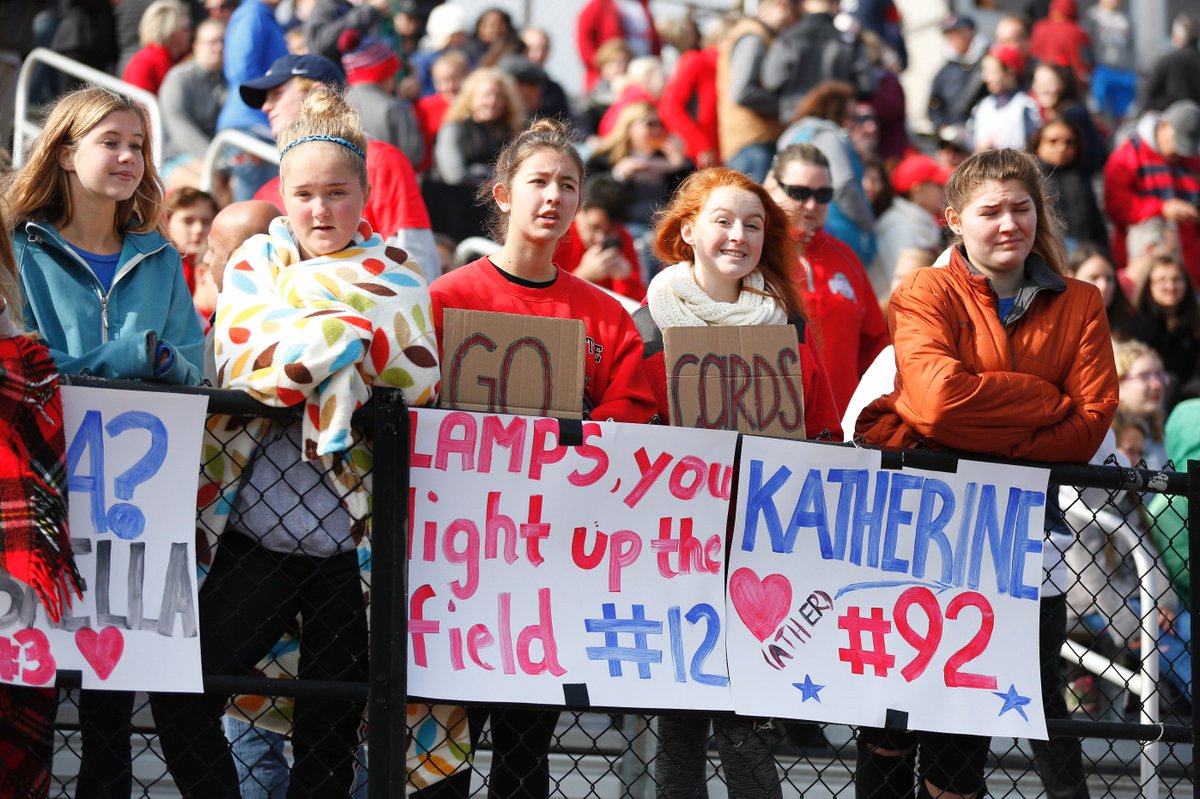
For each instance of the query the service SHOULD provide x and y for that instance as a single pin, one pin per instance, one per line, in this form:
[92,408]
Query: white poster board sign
[855,590]
[133,459]
[581,575]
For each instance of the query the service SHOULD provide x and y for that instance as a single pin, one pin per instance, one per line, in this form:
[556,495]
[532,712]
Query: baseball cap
[313,67]
[1184,118]
[955,22]
[918,169]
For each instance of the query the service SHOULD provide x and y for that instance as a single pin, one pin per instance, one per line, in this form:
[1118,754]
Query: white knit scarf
[676,300]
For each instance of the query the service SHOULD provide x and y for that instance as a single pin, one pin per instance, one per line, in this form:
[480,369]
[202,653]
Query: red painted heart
[102,650]
[761,604]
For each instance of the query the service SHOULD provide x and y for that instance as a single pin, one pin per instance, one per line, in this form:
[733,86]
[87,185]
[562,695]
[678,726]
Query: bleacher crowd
[711,169]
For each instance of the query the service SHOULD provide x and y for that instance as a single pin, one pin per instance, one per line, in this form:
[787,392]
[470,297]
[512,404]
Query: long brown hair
[40,188]
[10,279]
[778,252]
[1002,166]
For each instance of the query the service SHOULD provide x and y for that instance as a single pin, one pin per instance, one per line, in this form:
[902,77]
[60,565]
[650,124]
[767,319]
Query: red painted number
[927,643]
[974,647]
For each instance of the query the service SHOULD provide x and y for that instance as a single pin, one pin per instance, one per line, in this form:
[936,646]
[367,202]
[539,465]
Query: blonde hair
[10,279]
[616,144]
[326,113]
[514,110]
[161,19]
[1126,353]
[41,189]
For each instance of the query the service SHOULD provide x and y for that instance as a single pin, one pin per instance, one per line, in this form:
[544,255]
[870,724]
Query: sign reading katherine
[855,590]
[131,479]
[583,574]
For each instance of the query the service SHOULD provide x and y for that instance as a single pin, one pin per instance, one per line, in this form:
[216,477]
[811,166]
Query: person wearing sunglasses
[838,298]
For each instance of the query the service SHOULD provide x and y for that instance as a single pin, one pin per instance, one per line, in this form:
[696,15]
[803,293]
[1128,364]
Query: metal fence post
[1193,523]
[386,737]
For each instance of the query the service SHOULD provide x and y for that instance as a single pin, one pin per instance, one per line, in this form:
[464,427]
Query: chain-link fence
[1121,721]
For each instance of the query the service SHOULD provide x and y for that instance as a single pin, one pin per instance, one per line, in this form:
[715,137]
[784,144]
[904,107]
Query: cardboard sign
[131,470]
[735,378]
[586,575]
[509,363]
[854,590]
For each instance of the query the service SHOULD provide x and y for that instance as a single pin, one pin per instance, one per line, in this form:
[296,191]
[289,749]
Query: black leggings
[251,597]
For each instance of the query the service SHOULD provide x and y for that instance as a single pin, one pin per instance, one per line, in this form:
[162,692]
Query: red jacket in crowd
[148,66]
[1060,40]
[845,323]
[1137,179]
[430,111]
[599,21]
[693,85]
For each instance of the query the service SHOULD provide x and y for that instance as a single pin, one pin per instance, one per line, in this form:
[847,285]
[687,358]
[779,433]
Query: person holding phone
[598,248]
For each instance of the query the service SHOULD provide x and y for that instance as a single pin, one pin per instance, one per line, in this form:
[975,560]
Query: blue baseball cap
[313,67]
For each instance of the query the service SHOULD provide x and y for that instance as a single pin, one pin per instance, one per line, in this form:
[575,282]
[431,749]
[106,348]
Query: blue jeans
[1113,90]
[262,769]
[753,160]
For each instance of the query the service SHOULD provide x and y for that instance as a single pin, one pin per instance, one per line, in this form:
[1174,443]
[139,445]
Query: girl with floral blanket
[315,312]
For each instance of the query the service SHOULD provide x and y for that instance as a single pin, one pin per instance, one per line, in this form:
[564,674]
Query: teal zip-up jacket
[112,335]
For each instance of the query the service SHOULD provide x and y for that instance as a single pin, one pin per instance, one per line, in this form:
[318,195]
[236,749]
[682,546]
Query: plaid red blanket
[35,547]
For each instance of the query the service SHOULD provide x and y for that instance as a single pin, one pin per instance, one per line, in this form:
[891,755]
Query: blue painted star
[810,690]
[1012,701]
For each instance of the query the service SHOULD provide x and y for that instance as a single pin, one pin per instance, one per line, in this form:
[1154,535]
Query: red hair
[779,253]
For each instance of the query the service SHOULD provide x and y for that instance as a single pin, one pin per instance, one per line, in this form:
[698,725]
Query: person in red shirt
[165,33]
[598,248]
[1060,39]
[848,327]
[693,85]
[536,189]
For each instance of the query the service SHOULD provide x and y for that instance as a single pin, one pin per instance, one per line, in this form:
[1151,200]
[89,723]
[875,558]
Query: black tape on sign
[896,720]
[575,694]
[891,460]
[570,432]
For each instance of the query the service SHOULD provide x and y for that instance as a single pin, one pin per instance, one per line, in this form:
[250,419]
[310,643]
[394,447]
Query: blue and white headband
[354,148]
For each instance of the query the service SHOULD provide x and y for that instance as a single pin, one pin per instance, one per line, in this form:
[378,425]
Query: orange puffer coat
[1042,386]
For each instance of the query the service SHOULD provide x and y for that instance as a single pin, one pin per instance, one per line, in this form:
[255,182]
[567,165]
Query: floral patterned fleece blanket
[322,332]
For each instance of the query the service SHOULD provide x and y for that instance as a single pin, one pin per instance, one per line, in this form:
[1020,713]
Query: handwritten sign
[589,574]
[509,363]
[131,458]
[855,589]
[735,378]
